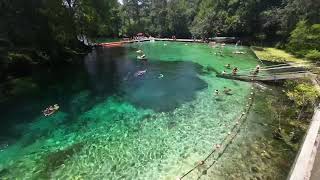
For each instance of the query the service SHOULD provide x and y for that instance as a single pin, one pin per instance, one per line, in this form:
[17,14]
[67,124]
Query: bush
[304,37]
[301,93]
[313,55]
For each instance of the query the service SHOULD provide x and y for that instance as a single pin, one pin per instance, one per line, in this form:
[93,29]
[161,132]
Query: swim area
[113,124]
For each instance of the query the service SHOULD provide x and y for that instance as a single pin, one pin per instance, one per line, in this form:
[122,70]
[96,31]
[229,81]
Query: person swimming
[228,66]
[140,73]
[227,91]
[142,57]
[235,71]
[139,51]
[224,72]
[216,92]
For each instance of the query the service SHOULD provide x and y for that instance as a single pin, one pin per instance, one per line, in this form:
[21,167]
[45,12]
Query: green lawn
[276,55]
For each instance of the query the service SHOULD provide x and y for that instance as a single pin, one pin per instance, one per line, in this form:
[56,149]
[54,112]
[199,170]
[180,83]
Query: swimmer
[160,76]
[227,90]
[142,57]
[234,71]
[228,66]
[140,73]
[56,107]
[216,92]
[224,72]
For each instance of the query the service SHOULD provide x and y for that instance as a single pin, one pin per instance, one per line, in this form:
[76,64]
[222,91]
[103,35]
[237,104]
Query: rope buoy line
[234,132]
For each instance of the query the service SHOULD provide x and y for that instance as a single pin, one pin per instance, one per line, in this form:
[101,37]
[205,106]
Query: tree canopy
[42,30]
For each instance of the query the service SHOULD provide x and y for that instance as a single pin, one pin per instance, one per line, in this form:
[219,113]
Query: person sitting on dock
[257,70]
[235,71]
[228,66]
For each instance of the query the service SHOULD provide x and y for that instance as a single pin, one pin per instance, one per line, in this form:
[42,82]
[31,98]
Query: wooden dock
[270,77]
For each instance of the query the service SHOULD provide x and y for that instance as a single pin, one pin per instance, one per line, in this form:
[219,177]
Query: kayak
[50,111]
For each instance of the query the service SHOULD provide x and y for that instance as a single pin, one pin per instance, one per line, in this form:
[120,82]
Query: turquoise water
[113,125]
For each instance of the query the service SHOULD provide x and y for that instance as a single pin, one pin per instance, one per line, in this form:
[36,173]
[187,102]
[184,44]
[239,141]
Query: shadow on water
[103,73]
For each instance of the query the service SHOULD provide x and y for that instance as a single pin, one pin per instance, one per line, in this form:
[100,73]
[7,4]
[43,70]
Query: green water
[113,125]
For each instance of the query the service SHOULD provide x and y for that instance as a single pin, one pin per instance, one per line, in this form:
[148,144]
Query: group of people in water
[234,73]
[226,91]
[141,55]
[236,69]
[50,110]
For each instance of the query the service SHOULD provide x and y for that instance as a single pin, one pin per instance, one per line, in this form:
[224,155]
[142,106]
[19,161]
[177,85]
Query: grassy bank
[275,55]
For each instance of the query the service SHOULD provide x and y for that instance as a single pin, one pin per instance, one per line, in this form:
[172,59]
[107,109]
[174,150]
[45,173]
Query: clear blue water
[113,125]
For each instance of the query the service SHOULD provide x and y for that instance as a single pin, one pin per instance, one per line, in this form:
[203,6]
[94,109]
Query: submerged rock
[255,169]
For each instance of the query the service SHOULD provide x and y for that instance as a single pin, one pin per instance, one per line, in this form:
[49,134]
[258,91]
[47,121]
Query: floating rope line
[226,140]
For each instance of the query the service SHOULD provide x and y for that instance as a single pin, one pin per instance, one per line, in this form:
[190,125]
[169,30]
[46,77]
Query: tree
[304,38]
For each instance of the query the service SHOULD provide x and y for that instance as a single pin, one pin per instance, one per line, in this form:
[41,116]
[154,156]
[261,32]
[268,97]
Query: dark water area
[103,73]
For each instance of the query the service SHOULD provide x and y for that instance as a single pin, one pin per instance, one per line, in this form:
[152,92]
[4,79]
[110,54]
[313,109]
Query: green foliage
[302,94]
[313,55]
[304,38]
[59,27]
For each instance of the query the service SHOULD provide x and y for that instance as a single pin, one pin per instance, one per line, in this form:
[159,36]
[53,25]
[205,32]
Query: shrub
[304,38]
[313,55]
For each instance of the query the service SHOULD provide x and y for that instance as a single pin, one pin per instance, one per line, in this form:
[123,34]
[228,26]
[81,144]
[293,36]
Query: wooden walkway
[270,77]
[307,162]
[272,73]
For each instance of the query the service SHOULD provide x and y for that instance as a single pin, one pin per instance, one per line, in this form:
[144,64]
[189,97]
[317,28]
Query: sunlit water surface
[114,125]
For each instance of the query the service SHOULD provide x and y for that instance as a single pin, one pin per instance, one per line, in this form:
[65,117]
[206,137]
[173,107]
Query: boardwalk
[270,77]
[307,163]
[272,73]
[303,164]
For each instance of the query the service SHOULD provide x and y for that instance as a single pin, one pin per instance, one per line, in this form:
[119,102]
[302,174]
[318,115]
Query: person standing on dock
[257,70]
